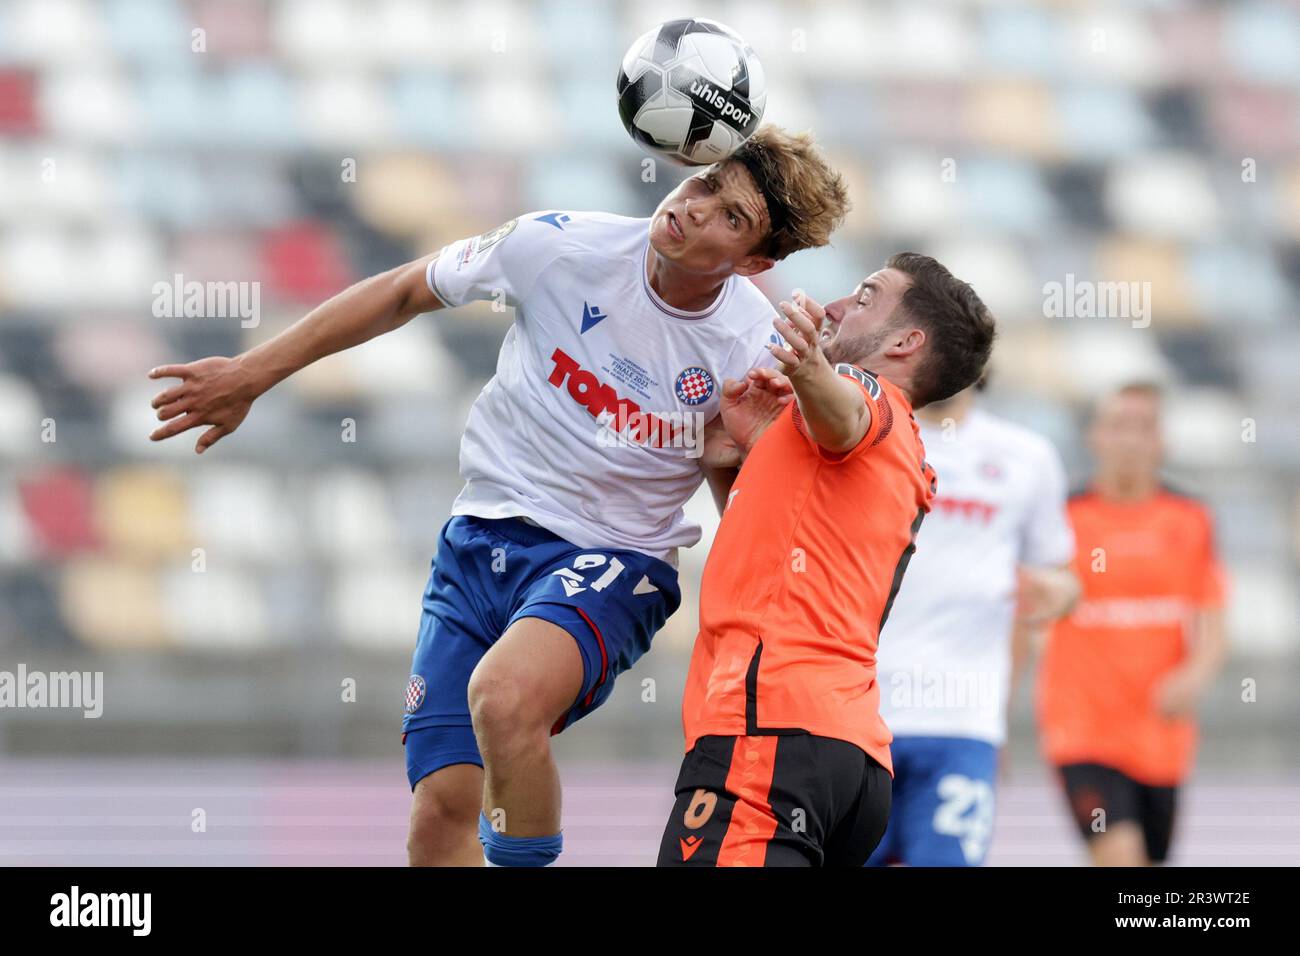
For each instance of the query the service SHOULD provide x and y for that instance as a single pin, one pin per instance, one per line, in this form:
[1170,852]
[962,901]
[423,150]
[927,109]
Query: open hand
[1178,694]
[751,404]
[800,326]
[213,391]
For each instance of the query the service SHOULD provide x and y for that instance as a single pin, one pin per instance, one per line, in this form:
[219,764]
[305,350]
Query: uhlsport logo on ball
[691,91]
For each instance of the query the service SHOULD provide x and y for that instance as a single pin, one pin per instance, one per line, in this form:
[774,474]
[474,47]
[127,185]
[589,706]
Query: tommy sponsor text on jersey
[592,424]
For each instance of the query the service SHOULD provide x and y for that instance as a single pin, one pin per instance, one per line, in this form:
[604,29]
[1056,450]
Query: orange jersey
[807,560]
[1145,568]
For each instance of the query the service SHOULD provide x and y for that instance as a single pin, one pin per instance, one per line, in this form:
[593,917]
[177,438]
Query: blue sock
[502,850]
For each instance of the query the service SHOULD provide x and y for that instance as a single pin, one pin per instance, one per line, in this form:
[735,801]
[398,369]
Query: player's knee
[444,819]
[1121,845]
[503,704]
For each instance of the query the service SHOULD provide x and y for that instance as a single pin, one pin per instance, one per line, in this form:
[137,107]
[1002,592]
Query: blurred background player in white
[559,562]
[990,569]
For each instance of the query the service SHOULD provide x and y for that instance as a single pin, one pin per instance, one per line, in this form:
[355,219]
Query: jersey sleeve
[749,352]
[764,358]
[1047,539]
[1210,584]
[882,415]
[502,264]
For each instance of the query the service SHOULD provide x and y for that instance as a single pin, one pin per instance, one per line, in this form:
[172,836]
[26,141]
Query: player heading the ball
[558,564]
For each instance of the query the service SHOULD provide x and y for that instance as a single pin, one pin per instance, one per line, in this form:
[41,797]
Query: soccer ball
[691,91]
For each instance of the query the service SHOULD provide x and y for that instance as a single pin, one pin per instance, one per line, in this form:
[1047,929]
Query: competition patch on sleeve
[865,379]
[485,242]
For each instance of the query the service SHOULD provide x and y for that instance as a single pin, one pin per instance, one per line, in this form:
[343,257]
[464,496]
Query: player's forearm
[358,314]
[720,481]
[1061,590]
[833,410]
[1209,646]
[1045,594]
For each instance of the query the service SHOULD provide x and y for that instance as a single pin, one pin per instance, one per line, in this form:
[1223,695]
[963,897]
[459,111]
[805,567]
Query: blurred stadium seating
[227,597]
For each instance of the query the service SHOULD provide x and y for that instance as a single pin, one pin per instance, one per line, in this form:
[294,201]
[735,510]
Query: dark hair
[806,199]
[959,328]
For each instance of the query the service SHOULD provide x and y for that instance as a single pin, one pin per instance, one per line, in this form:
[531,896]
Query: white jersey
[592,425]
[944,661]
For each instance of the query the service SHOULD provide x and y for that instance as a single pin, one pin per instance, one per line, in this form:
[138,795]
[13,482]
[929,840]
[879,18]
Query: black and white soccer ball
[692,91]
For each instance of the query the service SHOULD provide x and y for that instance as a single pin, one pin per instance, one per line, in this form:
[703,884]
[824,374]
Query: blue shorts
[942,812]
[487,574]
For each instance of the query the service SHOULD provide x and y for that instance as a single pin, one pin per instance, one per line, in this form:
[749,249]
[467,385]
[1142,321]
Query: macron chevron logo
[591,314]
[556,219]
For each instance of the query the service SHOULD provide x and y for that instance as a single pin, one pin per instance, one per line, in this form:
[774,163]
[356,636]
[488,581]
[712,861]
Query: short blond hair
[806,198]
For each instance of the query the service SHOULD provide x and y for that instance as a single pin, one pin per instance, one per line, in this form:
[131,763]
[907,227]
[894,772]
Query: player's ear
[908,342]
[753,265]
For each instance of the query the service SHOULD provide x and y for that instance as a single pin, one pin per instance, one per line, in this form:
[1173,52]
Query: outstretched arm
[218,392]
[834,409]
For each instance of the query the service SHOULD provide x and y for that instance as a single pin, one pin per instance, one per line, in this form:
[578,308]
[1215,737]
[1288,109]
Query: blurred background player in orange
[1122,675]
[787,760]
